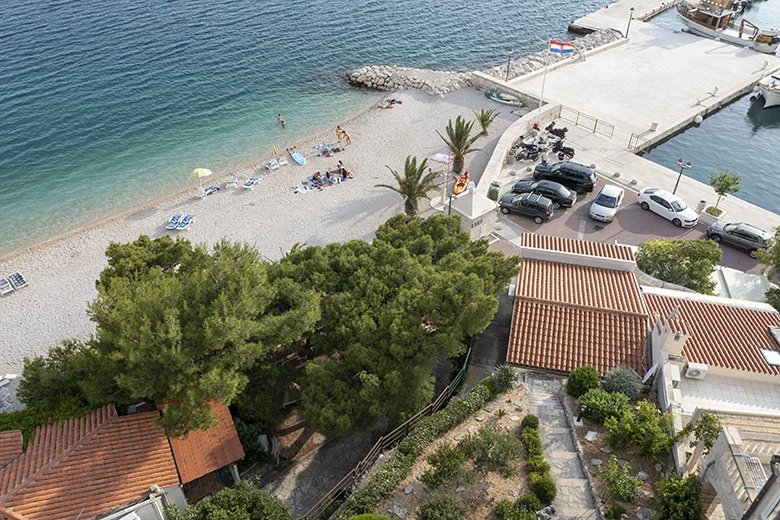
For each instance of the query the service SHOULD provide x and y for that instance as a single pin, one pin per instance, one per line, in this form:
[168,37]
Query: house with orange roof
[104,465]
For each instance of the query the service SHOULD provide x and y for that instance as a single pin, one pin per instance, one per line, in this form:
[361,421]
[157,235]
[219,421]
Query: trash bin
[701,206]
[495,188]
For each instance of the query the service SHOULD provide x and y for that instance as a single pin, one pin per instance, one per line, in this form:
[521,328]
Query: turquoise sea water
[104,105]
[742,137]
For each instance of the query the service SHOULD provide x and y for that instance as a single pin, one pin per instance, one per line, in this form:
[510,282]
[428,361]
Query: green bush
[706,429]
[369,517]
[248,434]
[625,381]
[504,379]
[619,480]
[532,442]
[599,405]
[442,507]
[493,451]
[446,462]
[643,426]
[581,380]
[543,487]
[528,502]
[537,464]
[244,500]
[530,421]
[506,510]
[678,499]
[615,512]
[383,482]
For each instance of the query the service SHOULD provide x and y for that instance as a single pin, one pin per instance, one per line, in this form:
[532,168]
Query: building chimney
[675,342]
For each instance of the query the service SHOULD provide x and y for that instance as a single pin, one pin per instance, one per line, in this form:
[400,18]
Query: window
[771,356]
[606,201]
[678,205]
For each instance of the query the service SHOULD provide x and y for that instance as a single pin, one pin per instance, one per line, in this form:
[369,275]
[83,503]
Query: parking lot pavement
[632,226]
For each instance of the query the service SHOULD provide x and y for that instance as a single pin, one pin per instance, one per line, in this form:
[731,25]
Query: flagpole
[544,80]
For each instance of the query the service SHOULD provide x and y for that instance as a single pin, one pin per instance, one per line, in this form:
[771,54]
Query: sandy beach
[62,273]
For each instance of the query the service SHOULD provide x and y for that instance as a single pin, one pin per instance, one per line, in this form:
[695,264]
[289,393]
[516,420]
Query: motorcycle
[564,152]
[558,132]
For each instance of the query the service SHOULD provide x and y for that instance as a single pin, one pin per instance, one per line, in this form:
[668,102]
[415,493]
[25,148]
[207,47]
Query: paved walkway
[615,16]
[573,500]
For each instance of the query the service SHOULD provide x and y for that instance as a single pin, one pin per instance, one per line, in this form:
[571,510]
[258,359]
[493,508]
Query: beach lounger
[17,280]
[272,165]
[185,222]
[5,407]
[5,287]
[250,183]
[232,183]
[211,190]
[173,222]
[282,161]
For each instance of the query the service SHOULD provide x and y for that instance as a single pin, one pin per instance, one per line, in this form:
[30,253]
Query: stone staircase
[573,500]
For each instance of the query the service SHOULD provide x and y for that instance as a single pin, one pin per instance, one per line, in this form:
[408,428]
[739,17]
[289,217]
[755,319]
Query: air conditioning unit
[674,372]
[695,370]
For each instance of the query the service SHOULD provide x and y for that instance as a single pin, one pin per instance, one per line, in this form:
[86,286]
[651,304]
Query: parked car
[529,205]
[671,207]
[577,177]
[741,235]
[558,194]
[607,203]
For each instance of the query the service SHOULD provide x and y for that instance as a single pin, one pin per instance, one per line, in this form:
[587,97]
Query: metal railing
[593,124]
[637,143]
[347,484]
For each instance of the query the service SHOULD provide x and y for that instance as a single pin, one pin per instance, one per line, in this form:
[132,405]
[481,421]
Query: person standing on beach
[281,120]
[347,138]
[339,133]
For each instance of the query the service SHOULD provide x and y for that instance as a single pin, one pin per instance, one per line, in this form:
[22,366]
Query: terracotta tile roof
[721,335]
[582,247]
[202,452]
[595,287]
[10,446]
[96,462]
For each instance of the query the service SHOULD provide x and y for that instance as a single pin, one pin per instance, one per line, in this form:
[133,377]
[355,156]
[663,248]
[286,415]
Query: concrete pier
[615,16]
[637,94]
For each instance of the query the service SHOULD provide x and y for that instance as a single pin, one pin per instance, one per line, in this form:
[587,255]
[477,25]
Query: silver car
[741,235]
[606,204]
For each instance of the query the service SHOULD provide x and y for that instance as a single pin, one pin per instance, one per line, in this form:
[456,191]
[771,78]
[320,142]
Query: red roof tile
[561,337]
[580,285]
[582,247]
[10,446]
[204,451]
[96,462]
[721,335]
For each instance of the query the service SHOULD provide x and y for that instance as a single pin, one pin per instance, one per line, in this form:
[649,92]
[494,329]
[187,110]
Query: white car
[671,207]
[606,204]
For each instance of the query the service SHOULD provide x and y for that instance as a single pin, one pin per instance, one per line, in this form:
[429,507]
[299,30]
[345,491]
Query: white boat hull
[731,36]
[770,91]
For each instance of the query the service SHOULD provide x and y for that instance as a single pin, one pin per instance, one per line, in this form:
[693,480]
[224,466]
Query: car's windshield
[563,192]
[678,205]
[556,167]
[606,200]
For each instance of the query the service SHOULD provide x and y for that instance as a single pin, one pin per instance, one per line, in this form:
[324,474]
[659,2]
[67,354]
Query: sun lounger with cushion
[211,190]
[185,222]
[232,183]
[173,222]
[250,183]
[17,280]
[282,161]
[272,165]
[5,287]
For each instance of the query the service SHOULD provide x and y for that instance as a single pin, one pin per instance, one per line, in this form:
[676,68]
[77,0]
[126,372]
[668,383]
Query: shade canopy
[199,173]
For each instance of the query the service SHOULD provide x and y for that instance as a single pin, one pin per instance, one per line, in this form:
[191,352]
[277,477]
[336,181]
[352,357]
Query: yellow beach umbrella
[274,151]
[199,173]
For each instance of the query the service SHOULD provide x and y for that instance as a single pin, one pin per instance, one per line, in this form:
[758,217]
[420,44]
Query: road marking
[581,231]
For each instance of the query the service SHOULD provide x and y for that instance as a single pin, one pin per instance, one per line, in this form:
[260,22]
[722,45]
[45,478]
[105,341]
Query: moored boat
[717,19]
[769,87]
[506,99]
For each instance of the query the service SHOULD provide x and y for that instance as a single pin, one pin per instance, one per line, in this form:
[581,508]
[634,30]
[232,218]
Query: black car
[529,205]
[558,194]
[577,177]
[741,235]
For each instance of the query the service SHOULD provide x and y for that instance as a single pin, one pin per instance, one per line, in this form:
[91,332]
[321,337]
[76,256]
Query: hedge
[386,479]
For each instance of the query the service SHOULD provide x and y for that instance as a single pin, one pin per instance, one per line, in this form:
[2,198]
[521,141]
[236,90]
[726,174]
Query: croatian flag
[561,47]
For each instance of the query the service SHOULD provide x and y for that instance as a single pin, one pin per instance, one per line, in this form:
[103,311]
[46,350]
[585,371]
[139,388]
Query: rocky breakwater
[433,82]
[440,82]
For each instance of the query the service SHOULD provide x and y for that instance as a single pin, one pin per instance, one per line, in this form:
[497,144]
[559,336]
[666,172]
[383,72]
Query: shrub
[493,451]
[530,421]
[244,500]
[599,405]
[678,499]
[645,427]
[615,512]
[543,487]
[446,462]
[532,442]
[625,381]
[248,433]
[506,510]
[581,380]
[706,429]
[504,379]
[537,464]
[528,502]
[369,517]
[442,507]
[619,481]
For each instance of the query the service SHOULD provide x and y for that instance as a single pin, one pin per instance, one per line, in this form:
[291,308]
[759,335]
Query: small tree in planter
[723,183]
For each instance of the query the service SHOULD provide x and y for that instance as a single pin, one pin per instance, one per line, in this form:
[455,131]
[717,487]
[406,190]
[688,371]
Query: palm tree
[485,118]
[414,185]
[460,141]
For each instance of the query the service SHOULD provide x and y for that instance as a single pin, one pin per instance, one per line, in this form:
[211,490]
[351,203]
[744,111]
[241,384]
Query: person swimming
[281,119]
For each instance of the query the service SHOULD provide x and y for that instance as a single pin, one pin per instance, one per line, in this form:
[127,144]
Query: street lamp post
[683,166]
[508,63]
[630,17]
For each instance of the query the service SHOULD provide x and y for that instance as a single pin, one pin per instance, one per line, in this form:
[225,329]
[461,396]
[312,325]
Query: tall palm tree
[485,118]
[460,141]
[414,185]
